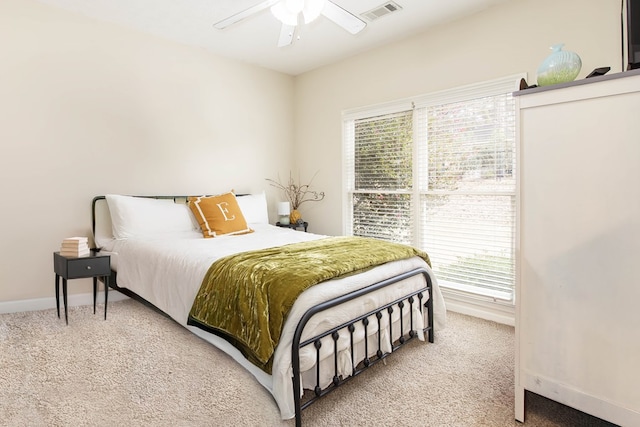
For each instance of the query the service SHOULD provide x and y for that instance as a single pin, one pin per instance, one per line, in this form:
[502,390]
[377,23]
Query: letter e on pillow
[219,215]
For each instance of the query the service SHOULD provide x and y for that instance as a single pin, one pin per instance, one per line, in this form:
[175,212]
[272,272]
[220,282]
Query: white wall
[510,38]
[88,108]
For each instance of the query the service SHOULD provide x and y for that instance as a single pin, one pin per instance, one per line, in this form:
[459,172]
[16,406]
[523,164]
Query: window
[438,172]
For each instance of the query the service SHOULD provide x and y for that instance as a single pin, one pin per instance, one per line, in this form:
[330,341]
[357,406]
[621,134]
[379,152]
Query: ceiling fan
[288,12]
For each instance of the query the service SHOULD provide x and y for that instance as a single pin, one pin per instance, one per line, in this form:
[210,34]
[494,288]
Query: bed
[332,331]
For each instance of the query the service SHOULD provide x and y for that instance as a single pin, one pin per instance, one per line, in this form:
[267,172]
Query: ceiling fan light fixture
[287,11]
[312,9]
[283,14]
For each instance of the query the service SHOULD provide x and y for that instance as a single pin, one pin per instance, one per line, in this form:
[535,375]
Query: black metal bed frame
[414,297]
[358,368]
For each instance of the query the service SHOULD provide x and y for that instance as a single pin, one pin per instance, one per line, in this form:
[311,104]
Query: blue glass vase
[561,66]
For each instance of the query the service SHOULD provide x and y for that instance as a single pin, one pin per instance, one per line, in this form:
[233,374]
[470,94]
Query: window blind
[441,177]
[469,189]
[383,177]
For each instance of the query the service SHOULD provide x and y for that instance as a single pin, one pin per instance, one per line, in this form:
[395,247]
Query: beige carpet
[139,368]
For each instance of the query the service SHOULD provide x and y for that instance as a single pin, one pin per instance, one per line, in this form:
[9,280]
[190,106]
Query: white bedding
[168,271]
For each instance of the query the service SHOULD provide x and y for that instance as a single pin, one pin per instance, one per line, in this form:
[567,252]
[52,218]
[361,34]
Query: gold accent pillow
[218,215]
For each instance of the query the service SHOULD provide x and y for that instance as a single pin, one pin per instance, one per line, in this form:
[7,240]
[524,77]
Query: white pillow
[146,217]
[254,208]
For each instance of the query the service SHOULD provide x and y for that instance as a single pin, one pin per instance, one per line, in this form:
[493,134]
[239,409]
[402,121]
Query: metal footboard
[406,302]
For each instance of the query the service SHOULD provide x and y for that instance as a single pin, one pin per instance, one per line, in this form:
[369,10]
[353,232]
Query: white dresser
[578,293]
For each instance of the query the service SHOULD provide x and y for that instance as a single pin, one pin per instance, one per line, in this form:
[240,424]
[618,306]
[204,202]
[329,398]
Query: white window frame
[462,294]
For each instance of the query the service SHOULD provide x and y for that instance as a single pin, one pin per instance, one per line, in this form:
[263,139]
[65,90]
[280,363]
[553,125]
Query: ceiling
[254,40]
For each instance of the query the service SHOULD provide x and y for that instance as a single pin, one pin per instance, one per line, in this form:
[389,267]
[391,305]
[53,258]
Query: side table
[92,266]
[294,226]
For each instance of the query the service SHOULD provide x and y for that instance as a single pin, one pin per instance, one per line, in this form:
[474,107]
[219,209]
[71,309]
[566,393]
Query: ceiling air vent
[380,11]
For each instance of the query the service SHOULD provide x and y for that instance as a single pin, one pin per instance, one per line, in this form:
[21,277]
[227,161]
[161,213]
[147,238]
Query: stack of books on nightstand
[75,247]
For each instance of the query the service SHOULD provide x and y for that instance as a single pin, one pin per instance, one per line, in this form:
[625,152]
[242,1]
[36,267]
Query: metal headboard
[177,199]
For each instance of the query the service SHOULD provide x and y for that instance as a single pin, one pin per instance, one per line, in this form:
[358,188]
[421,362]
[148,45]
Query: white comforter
[168,271]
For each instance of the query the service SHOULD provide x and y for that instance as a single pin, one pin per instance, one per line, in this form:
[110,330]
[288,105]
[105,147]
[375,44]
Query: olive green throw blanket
[246,297]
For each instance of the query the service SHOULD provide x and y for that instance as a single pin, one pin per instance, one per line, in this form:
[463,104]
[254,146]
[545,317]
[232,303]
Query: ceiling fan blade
[286,35]
[343,18]
[244,14]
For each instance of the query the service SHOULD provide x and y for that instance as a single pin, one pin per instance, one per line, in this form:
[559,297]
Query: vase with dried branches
[297,194]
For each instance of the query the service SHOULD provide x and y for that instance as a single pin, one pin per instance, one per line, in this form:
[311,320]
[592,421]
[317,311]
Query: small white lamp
[284,209]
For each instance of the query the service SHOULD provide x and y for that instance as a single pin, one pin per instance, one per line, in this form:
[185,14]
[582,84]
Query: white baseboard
[479,306]
[593,405]
[73,300]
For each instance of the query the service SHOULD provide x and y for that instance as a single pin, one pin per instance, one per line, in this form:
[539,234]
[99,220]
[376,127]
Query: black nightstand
[79,268]
[294,226]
